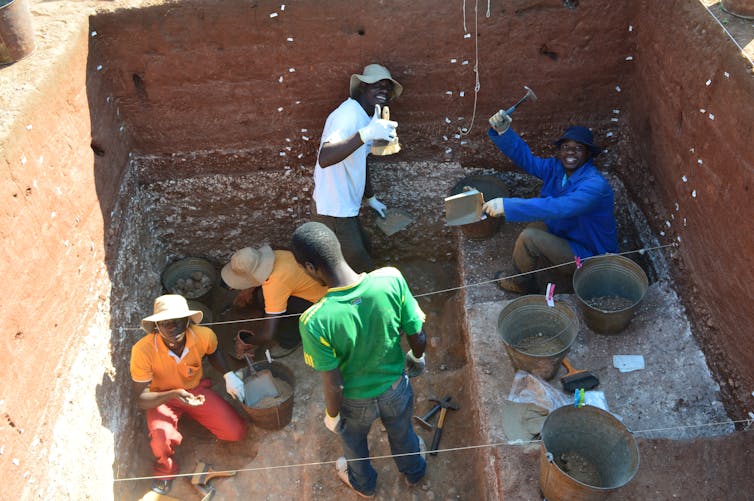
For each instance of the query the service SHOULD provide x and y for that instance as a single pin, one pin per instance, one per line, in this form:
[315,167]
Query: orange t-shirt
[288,279]
[152,361]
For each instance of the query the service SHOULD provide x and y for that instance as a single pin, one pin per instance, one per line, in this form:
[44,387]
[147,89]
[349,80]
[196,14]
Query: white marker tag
[550,293]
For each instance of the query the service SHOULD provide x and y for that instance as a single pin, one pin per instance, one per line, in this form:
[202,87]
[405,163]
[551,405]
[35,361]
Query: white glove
[500,121]
[378,206]
[414,366]
[378,128]
[234,385]
[494,207]
[332,422]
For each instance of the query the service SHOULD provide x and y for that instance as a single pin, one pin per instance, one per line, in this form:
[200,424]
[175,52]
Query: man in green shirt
[353,337]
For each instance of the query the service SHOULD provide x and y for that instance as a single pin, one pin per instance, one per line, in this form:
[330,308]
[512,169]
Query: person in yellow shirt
[286,289]
[166,369]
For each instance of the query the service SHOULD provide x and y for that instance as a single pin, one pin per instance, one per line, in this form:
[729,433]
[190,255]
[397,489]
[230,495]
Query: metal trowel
[259,385]
[394,221]
[464,208]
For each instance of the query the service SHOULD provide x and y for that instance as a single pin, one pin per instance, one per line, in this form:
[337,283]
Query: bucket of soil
[272,412]
[16,31]
[537,336]
[585,454]
[491,187]
[192,278]
[609,289]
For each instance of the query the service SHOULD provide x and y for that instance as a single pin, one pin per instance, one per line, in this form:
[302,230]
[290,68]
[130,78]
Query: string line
[490,445]
[450,289]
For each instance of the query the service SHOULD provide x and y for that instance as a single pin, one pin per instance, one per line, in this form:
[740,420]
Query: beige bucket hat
[374,73]
[248,267]
[168,307]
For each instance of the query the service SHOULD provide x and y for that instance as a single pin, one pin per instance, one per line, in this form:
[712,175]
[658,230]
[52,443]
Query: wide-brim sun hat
[373,73]
[248,267]
[581,135]
[168,307]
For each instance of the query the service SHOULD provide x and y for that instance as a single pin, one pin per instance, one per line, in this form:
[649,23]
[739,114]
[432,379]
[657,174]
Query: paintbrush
[382,148]
[575,379]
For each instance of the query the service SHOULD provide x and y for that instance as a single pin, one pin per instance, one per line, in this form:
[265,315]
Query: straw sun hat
[168,307]
[373,73]
[248,267]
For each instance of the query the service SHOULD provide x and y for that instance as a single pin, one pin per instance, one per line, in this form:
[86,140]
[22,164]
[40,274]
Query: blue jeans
[395,408]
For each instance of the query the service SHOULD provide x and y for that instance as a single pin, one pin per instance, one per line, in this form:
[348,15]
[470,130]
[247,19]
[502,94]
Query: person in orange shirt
[166,369]
[286,289]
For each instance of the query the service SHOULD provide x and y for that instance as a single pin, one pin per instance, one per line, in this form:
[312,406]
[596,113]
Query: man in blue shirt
[573,216]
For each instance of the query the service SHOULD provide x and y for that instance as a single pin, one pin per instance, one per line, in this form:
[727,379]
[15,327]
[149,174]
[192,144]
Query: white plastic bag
[528,388]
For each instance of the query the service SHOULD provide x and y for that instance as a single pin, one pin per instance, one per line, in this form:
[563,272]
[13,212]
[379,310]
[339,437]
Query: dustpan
[464,208]
[395,220]
[259,385]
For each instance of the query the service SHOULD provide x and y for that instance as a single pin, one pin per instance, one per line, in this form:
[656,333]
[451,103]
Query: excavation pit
[134,137]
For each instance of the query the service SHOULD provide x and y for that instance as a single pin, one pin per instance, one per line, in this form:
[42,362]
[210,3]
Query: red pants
[215,414]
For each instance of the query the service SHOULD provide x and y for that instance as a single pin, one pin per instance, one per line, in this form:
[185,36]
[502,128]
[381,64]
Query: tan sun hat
[374,73]
[248,267]
[167,307]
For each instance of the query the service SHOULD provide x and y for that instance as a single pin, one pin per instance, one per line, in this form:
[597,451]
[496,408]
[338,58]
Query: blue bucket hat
[580,135]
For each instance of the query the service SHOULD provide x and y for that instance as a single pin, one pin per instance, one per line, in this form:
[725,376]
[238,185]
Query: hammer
[423,421]
[445,404]
[529,95]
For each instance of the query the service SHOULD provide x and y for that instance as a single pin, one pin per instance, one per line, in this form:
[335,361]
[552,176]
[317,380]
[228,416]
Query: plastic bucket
[279,415]
[606,279]
[491,187]
[537,336]
[206,311]
[16,31]
[585,454]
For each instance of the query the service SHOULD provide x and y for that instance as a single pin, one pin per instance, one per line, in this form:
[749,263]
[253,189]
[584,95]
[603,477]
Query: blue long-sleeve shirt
[580,211]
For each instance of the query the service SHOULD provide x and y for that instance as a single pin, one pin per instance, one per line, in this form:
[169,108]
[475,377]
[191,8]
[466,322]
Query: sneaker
[515,285]
[341,468]
[162,485]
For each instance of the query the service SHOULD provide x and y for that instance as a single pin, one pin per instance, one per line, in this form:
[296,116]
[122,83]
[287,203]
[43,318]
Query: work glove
[234,386]
[500,121]
[378,128]
[414,366]
[332,422]
[378,206]
[494,207]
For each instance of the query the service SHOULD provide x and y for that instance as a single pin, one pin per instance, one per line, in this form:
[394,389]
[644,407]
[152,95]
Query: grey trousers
[354,241]
[536,248]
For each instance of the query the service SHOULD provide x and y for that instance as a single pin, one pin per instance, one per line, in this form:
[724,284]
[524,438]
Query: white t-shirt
[339,188]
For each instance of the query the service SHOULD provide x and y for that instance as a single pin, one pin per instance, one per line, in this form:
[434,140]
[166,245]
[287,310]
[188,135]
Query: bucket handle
[571,323]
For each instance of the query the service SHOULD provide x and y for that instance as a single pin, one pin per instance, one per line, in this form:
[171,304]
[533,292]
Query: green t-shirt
[358,330]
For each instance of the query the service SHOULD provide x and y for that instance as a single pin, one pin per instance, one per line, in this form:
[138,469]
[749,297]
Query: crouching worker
[286,290]
[166,368]
[573,216]
[353,337]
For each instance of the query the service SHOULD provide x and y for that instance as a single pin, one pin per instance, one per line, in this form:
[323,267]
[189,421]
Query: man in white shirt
[341,176]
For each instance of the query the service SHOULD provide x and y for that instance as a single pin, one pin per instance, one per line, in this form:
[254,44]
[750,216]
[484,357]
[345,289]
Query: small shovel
[259,385]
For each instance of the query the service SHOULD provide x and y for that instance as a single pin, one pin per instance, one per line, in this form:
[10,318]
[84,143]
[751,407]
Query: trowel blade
[395,220]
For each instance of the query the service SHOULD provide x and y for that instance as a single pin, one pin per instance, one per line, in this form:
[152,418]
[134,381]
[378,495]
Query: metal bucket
[739,8]
[184,269]
[277,416]
[16,31]
[537,336]
[585,454]
[491,187]
[609,276]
